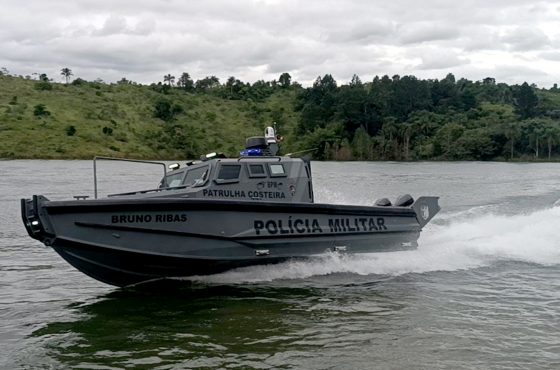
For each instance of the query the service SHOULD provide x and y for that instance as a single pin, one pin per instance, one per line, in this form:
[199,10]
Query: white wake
[464,244]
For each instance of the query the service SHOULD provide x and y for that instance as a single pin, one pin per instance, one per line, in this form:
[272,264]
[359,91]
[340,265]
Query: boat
[216,214]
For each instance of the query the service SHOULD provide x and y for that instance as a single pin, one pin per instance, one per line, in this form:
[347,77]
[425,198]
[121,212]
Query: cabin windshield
[175,179]
[196,176]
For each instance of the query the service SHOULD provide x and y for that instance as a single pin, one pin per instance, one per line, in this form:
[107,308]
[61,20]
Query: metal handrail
[122,160]
[148,191]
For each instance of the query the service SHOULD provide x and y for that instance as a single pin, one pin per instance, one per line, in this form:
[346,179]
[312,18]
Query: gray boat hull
[129,241]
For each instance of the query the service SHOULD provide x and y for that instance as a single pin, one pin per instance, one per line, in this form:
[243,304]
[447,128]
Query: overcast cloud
[511,40]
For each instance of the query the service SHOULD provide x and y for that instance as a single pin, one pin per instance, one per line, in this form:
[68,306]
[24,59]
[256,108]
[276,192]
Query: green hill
[84,119]
[388,118]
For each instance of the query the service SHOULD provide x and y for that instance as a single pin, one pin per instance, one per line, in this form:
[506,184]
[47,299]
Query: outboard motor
[383,202]
[404,201]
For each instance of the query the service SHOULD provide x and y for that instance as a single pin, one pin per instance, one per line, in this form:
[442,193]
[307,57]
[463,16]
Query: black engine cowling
[404,201]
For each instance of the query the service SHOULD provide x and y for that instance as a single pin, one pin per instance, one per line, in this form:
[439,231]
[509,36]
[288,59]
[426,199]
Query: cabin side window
[256,170]
[197,176]
[228,173]
[277,170]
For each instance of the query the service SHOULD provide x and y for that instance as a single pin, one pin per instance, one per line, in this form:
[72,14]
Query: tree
[361,144]
[444,94]
[285,80]
[551,134]
[259,90]
[343,152]
[66,72]
[70,130]
[450,78]
[327,83]
[321,141]
[43,86]
[351,107]
[445,139]
[512,131]
[185,82]
[40,110]
[236,89]
[317,104]
[165,110]
[540,131]
[475,144]
[535,130]
[356,81]
[406,131]
[426,123]
[169,79]
[230,83]
[468,100]
[525,101]
[79,81]
[379,96]
[207,83]
[408,94]
[389,132]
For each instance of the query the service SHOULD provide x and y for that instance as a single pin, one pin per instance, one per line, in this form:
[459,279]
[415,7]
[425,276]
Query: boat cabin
[270,179]
[259,174]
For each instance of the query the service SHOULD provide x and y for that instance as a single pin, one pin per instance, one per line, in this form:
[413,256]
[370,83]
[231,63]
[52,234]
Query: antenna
[302,151]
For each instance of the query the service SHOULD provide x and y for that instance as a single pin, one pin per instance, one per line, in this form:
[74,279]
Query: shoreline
[520,160]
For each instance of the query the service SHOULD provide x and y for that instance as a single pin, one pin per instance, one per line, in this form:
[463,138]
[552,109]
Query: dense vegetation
[398,118]
[404,118]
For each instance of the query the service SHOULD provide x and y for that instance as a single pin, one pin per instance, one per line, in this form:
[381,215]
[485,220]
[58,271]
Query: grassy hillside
[398,118]
[88,119]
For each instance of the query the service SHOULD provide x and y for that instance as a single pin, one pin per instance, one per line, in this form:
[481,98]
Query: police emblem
[425,211]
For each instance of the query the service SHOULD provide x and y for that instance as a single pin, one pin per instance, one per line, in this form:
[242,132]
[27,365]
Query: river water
[481,292]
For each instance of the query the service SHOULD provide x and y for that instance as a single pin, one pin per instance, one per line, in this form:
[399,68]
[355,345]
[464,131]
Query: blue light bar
[251,153]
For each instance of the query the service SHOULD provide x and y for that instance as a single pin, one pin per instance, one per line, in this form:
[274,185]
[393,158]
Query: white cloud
[529,75]
[364,32]
[146,39]
[145,27]
[112,26]
[551,55]
[438,59]
[413,33]
[525,39]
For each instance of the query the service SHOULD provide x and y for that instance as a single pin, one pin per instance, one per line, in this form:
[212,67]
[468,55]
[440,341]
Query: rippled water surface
[481,292]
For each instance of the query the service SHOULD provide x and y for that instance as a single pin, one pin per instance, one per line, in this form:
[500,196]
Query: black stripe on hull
[182,204]
[246,240]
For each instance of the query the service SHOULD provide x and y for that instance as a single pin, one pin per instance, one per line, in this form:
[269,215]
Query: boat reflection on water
[215,326]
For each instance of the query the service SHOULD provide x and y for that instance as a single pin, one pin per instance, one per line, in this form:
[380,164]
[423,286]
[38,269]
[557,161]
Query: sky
[512,41]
